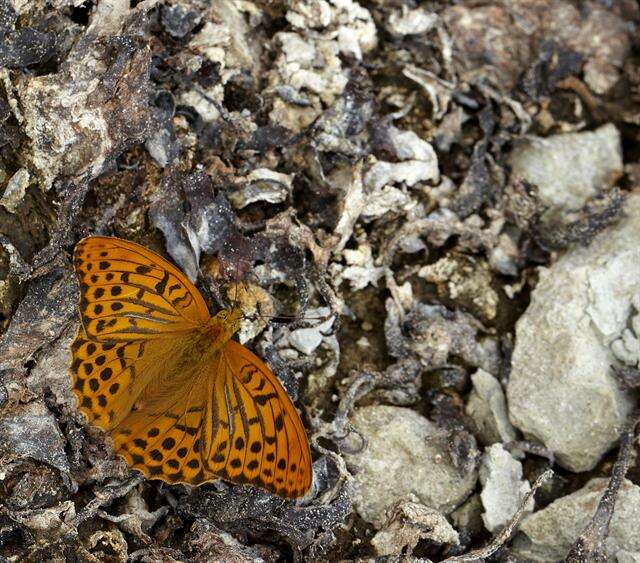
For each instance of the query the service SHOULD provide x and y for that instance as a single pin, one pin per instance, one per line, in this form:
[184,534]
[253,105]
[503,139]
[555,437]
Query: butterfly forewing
[130,293]
[174,414]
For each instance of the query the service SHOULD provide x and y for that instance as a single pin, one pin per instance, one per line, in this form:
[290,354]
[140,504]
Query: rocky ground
[454,185]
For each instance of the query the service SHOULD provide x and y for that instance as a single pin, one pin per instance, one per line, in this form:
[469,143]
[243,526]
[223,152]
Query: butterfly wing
[112,378]
[255,433]
[138,311]
[130,293]
[245,429]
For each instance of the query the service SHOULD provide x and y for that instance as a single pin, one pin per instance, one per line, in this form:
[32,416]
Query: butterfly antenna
[292,318]
[234,301]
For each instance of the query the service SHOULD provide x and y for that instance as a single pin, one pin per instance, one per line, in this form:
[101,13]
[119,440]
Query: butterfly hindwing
[130,293]
[266,444]
[245,431]
[163,440]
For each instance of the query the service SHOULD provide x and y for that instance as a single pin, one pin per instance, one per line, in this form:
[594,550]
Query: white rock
[306,340]
[503,488]
[403,456]
[569,168]
[408,146]
[212,42]
[202,101]
[419,163]
[360,270]
[561,390]
[487,407]
[624,556]
[548,534]
[15,190]
[297,66]
[262,184]
[410,172]
[386,199]
[411,22]
[310,14]
[627,347]
[346,20]
[352,206]
[409,522]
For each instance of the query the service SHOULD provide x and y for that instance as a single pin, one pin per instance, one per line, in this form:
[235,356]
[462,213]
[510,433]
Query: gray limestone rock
[487,407]
[561,390]
[503,488]
[409,522]
[570,168]
[405,454]
[548,534]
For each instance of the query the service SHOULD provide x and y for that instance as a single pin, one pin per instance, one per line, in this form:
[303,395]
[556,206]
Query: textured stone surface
[548,534]
[409,522]
[595,157]
[561,390]
[30,431]
[503,488]
[404,456]
[487,407]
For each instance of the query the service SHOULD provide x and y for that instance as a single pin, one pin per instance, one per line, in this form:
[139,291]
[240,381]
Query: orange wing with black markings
[268,444]
[129,292]
[183,402]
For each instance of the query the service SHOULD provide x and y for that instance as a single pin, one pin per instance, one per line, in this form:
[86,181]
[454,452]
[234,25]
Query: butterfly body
[206,342]
[183,401]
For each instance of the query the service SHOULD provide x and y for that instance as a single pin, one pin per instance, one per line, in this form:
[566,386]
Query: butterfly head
[229,320]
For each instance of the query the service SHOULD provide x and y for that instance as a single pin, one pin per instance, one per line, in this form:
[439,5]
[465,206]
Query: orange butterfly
[183,402]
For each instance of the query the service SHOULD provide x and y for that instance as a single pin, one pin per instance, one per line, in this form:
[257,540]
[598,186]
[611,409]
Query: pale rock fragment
[409,522]
[595,159]
[297,66]
[352,206]
[360,269]
[410,173]
[418,163]
[386,199]
[561,389]
[261,184]
[548,534]
[627,347]
[345,20]
[487,407]
[306,340]
[409,146]
[404,456]
[624,556]
[203,101]
[411,22]
[503,489]
[29,431]
[15,190]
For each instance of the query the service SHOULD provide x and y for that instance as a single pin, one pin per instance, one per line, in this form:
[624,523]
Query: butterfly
[183,402]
